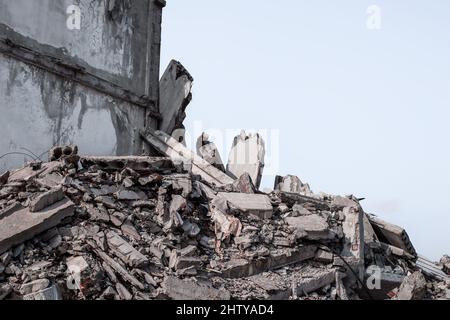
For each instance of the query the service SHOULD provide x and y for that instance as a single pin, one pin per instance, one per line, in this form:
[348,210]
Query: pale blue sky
[358,111]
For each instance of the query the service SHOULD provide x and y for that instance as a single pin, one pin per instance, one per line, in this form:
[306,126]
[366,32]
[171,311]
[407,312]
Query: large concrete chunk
[208,151]
[119,269]
[291,184]
[138,164]
[23,225]
[312,227]
[258,205]
[244,184]
[174,96]
[46,199]
[125,251]
[392,234]
[178,289]
[178,153]
[413,287]
[247,156]
[291,199]
[241,268]
[353,229]
[53,293]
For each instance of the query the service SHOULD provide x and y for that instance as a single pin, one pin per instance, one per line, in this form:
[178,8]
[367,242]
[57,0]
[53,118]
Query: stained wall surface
[95,87]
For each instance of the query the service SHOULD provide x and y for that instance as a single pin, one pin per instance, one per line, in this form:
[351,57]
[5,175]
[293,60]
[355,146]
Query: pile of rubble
[182,226]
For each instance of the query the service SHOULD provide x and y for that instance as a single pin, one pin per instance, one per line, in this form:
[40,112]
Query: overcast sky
[359,105]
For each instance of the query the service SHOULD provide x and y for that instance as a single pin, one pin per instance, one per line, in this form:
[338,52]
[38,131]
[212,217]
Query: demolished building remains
[153,219]
[176,227]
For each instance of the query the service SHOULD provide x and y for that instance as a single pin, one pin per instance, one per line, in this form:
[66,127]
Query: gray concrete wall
[39,109]
[94,87]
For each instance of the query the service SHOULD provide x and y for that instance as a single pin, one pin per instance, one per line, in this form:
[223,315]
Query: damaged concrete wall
[112,42]
[95,87]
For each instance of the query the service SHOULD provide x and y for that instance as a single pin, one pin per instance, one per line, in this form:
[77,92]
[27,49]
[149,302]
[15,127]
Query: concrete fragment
[291,199]
[52,180]
[139,164]
[79,273]
[4,178]
[392,234]
[225,225]
[108,294]
[258,205]
[117,218]
[178,153]
[180,262]
[341,290]
[123,292]
[130,230]
[413,287]
[119,269]
[151,179]
[174,96]
[339,203]
[324,256]
[23,225]
[5,290]
[46,199]
[241,268]
[127,195]
[380,282]
[177,206]
[431,269]
[208,151]
[299,210]
[180,182]
[55,242]
[396,251]
[313,281]
[291,184]
[312,227]
[189,289]
[125,251]
[244,184]
[52,293]
[445,263]
[77,264]
[98,214]
[16,206]
[247,156]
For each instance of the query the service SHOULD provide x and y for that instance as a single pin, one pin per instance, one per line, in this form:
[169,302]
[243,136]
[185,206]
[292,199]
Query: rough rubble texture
[143,228]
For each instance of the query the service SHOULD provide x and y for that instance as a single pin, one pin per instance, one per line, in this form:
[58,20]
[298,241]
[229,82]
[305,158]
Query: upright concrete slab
[174,96]
[95,86]
[247,156]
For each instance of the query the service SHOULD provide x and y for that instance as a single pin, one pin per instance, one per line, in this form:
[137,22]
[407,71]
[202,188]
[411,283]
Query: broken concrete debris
[207,150]
[247,156]
[139,228]
[413,287]
[292,184]
[174,95]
